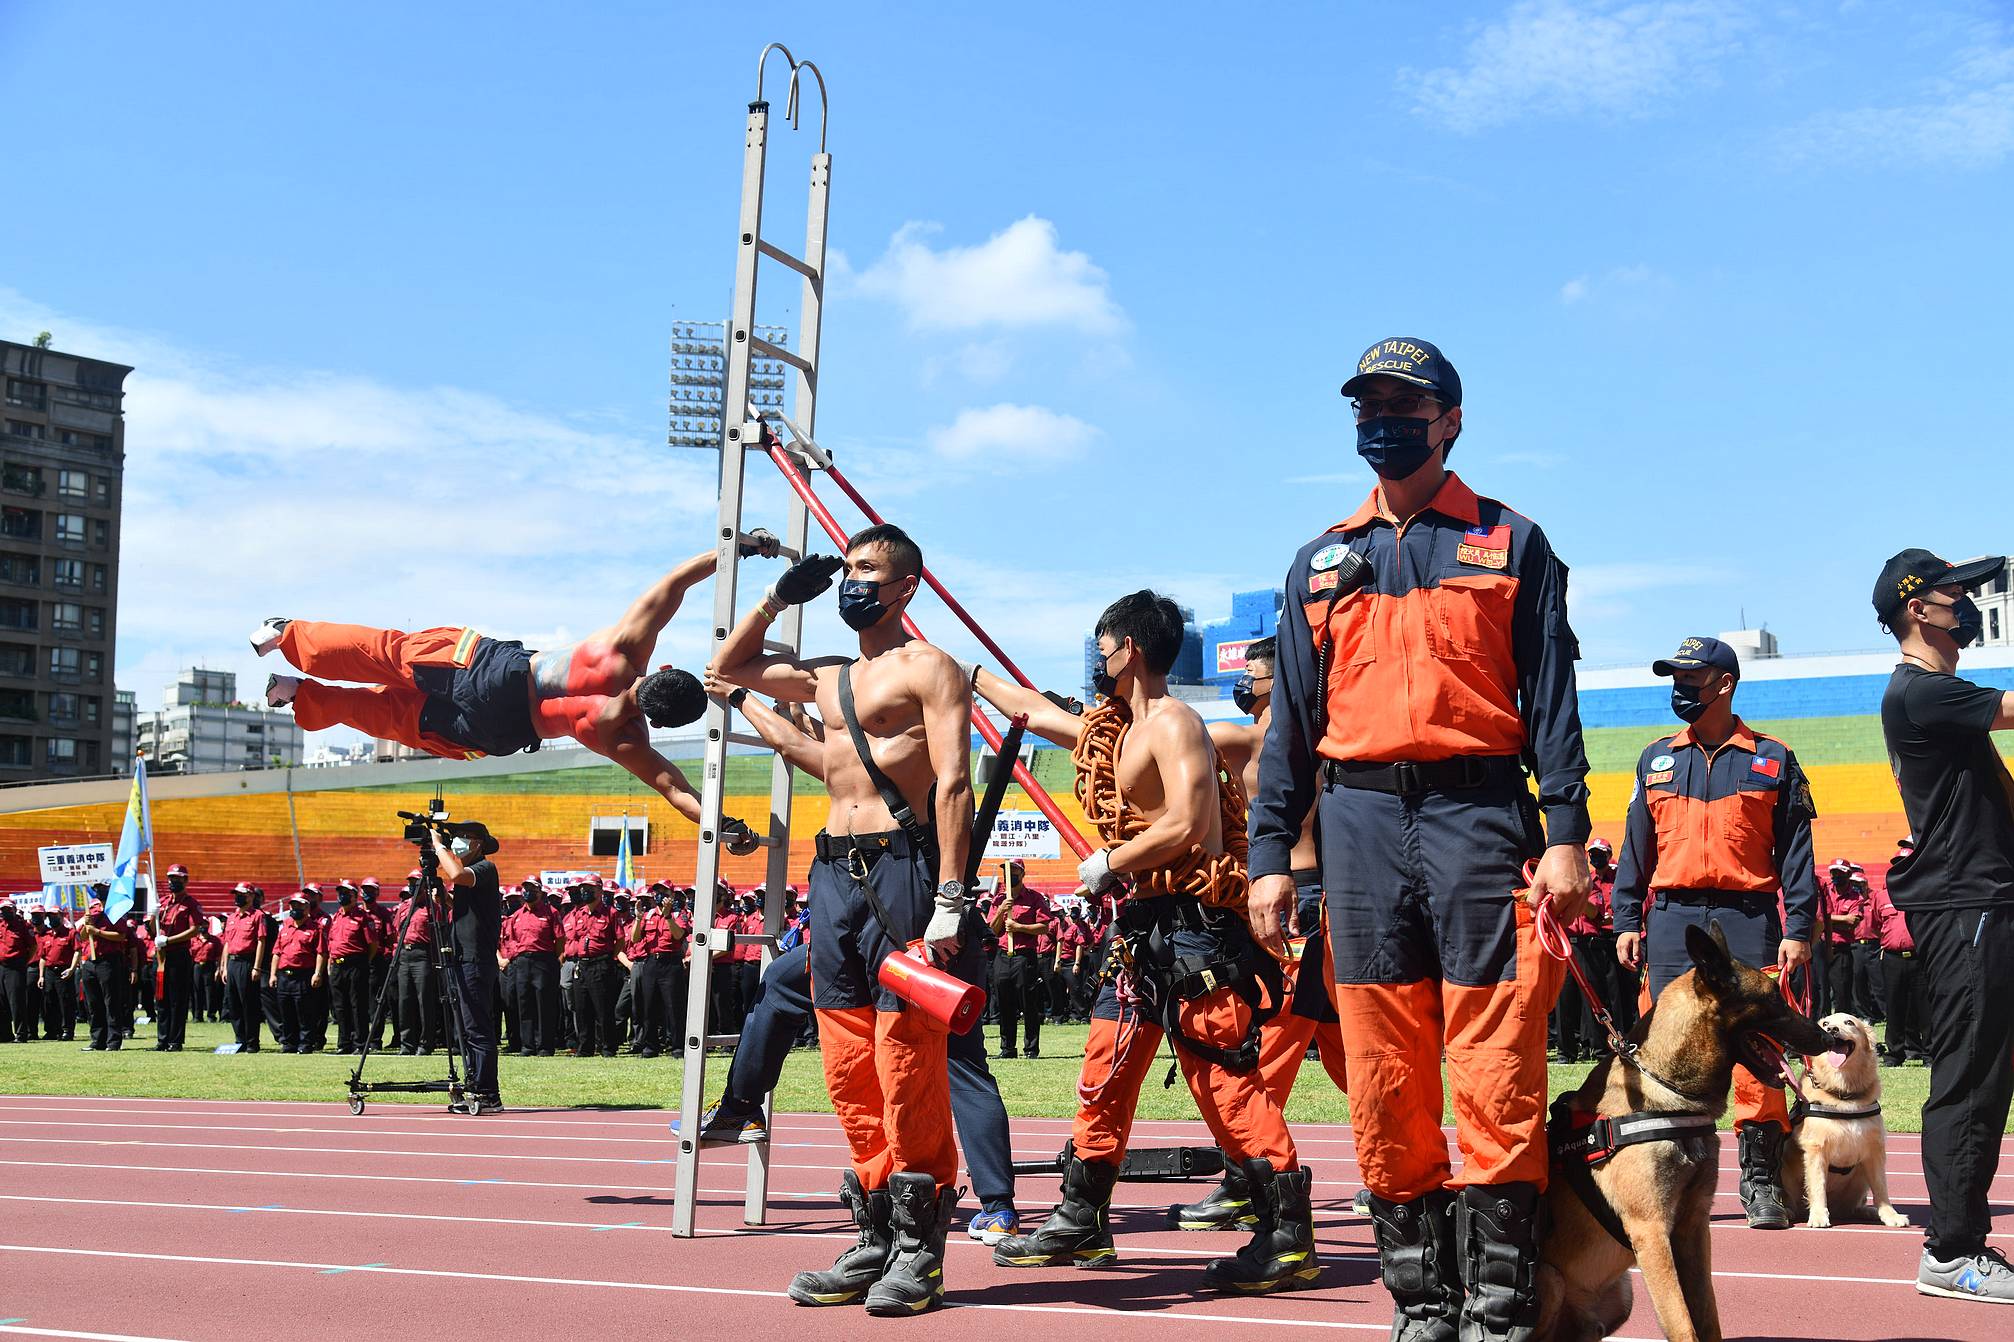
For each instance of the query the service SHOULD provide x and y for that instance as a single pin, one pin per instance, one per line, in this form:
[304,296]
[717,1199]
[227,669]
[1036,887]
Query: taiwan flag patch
[1485,547]
[1768,768]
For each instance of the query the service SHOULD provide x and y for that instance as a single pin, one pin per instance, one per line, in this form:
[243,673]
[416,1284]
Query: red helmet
[97,906]
[242,888]
[413,875]
[178,870]
[311,889]
[1839,864]
[1599,846]
[346,884]
[369,883]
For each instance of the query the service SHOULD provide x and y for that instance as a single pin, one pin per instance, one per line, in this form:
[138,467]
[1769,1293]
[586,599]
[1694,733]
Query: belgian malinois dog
[1718,1013]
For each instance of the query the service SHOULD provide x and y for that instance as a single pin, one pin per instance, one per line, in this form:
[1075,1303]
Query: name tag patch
[1485,547]
[1322,582]
[1661,776]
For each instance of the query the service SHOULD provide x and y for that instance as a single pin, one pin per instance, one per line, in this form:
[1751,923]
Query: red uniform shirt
[177,914]
[96,948]
[58,948]
[1029,907]
[206,949]
[1893,927]
[243,929]
[1594,920]
[419,932]
[17,937]
[1845,904]
[139,942]
[749,924]
[1869,926]
[592,931]
[299,944]
[351,933]
[656,935]
[530,931]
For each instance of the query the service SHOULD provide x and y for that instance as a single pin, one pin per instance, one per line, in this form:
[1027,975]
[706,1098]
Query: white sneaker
[1983,1276]
[267,636]
[280,690]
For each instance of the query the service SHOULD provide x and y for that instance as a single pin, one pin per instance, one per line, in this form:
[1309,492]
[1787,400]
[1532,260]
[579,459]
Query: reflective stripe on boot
[1078,1232]
[1280,1256]
[914,1279]
[1228,1206]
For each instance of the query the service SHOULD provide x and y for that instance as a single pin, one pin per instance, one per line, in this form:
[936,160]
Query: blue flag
[623,877]
[136,840]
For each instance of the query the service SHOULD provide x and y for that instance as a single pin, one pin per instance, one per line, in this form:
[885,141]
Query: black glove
[807,578]
[759,542]
[741,840]
[1074,707]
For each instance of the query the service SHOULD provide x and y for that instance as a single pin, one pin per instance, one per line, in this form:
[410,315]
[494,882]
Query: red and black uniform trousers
[885,1061]
[1243,1116]
[1436,959]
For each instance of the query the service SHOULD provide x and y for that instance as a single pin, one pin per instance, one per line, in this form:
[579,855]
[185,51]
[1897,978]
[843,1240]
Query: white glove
[1096,872]
[970,670]
[942,935]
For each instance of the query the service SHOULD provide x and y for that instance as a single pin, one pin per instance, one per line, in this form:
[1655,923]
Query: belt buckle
[1406,779]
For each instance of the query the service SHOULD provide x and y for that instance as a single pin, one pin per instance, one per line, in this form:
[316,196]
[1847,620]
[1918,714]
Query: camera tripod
[447,985]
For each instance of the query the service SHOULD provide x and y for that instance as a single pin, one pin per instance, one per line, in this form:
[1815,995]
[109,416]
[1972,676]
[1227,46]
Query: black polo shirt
[1955,790]
[477,923]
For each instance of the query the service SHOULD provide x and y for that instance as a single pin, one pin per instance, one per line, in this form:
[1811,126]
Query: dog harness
[1582,1142]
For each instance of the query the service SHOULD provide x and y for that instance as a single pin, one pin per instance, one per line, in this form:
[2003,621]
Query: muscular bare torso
[1169,726]
[890,707]
[1239,745]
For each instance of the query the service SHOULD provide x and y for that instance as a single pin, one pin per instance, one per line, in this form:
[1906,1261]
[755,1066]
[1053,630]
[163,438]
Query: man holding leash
[1720,821]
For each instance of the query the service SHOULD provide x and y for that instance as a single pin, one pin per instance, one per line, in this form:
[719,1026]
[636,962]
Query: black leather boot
[1498,1232]
[1228,1206]
[1759,1148]
[1079,1231]
[1416,1252]
[859,1267]
[914,1280]
[1280,1256]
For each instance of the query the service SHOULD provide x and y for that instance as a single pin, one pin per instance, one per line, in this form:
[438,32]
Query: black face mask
[1394,445]
[1689,703]
[1971,623]
[242,901]
[860,604]
[1102,680]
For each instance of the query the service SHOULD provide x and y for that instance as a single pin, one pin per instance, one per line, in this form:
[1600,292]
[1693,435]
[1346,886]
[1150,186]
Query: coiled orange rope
[1217,879]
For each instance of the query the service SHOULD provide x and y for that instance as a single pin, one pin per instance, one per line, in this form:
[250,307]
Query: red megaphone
[945,998]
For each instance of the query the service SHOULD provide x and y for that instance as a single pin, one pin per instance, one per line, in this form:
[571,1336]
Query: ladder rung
[778,645]
[723,1040]
[768,351]
[752,939]
[778,254]
[747,739]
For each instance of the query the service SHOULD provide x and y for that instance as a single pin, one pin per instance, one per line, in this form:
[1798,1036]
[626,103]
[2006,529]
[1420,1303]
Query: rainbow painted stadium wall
[275,828]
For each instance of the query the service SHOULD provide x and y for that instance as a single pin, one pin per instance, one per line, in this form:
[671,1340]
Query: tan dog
[1660,1190]
[1846,1152]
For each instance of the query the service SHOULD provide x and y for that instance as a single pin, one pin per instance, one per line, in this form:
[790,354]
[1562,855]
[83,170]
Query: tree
[42,340]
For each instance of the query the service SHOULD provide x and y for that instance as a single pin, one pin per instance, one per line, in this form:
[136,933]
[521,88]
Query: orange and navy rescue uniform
[886,1065]
[1713,837]
[450,692]
[1456,649]
[1309,1016]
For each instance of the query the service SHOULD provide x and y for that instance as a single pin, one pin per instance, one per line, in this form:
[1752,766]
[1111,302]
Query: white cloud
[1964,120]
[1013,433]
[1555,58]
[1573,290]
[1018,278]
[1635,289]
[252,493]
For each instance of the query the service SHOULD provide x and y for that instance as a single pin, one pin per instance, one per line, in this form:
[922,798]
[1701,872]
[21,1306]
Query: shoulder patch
[1328,557]
[1663,762]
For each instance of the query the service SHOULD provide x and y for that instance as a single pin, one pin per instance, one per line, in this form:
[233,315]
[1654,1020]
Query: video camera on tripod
[422,825]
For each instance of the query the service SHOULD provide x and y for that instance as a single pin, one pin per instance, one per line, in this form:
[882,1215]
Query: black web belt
[1801,1109]
[1166,978]
[1465,773]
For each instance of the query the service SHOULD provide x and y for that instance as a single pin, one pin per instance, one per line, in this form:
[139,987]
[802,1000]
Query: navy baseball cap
[1914,571]
[1409,360]
[1695,653]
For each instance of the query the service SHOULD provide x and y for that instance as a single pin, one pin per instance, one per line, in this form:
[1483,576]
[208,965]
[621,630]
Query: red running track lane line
[13,1328]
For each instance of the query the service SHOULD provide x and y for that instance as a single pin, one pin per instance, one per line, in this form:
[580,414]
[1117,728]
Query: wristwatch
[736,695]
[953,889]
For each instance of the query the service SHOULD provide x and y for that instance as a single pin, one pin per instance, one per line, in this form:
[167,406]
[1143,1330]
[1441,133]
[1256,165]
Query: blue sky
[1727,288]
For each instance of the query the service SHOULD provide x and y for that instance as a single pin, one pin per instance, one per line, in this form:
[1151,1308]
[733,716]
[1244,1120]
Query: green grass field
[1044,1087]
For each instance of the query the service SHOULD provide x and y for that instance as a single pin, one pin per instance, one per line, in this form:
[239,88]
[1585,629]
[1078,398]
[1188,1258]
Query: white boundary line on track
[384,1269]
[1329,1254]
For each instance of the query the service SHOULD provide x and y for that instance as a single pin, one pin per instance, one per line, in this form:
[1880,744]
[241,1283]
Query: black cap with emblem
[1698,652]
[1913,572]
[1409,360]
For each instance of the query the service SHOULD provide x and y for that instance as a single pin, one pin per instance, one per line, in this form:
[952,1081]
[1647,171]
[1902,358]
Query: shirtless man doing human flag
[454,693]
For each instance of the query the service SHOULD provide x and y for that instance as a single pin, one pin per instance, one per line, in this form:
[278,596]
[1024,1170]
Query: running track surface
[188,1219]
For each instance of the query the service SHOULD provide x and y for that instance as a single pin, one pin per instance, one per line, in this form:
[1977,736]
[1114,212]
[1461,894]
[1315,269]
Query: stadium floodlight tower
[699,353]
[736,380]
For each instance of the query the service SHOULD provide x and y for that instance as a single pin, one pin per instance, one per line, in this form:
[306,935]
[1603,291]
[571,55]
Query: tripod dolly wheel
[356,1104]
